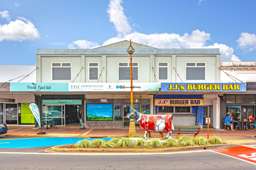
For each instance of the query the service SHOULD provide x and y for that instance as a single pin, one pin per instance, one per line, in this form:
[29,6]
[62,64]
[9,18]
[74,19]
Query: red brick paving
[76,131]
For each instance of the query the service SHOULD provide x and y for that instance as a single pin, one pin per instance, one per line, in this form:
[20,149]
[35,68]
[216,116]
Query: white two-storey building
[99,79]
[92,85]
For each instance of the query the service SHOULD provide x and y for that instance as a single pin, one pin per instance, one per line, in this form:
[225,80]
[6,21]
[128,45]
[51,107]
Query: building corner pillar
[216,113]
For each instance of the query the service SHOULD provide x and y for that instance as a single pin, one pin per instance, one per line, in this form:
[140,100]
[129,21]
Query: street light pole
[132,128]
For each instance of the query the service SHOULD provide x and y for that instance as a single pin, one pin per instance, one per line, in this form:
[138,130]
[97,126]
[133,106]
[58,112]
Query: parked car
[3,129]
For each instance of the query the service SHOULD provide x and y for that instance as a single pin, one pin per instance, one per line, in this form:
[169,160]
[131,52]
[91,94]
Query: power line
[232,76]
[78,74]
[178,75]
[101,73]
[22,77]
[154,72]
[27,75]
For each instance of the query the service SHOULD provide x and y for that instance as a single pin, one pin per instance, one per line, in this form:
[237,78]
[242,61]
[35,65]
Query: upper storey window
[195,71]
[124,71]
[61,71]
[93,71]
[163,71]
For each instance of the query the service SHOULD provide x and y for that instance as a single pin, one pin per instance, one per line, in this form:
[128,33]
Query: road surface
[193,161]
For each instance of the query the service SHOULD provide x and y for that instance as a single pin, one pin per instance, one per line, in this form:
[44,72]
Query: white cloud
[4,14]
[195,39]
[82,44]
[18,30]
[247,41]
[227,53]
[118,18]
[166,40]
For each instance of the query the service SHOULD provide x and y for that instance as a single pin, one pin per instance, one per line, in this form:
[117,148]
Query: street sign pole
[132,128]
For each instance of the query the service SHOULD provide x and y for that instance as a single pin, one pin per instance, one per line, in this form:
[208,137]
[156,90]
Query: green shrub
[124,142]
[185,141]
[97,143]
[83,144]
[140,143]
[170,143]
[200,140]
[132,143]
[148,144]
[155,143]
[115,140]
[215,140]
[108,144]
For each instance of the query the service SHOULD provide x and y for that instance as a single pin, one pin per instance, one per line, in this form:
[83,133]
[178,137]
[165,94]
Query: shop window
[93,71]
[182,109]
[118,112]
[230,99]
[165,109]
[195,71]
[163,71]
[124,71]
[61,71]
[1,113]
[245,99]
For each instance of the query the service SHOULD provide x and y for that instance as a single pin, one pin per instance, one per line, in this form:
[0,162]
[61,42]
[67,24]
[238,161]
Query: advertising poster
[26,114]
[99,112]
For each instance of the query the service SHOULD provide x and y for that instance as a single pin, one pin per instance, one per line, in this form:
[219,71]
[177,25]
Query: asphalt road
[191,161]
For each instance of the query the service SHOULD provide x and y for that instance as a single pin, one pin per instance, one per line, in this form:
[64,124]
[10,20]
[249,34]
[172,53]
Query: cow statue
[161,123]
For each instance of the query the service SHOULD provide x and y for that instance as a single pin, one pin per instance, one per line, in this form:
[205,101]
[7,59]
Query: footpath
[236,137]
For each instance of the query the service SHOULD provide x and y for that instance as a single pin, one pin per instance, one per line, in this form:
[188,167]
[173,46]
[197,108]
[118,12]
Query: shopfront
[111,110]
[61,110]
[14,104]
[191,103]
[14,107]
[240,106]
[188,110]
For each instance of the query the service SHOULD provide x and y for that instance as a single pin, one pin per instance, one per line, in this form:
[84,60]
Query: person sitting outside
[227,121]
[251,121]
[232,121]
[245,123]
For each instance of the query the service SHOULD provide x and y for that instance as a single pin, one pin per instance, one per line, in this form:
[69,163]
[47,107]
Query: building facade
[14,106]
[109,65]
[241,106]
[92,85]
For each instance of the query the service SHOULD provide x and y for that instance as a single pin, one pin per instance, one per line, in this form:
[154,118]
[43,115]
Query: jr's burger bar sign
[203,87]
[179,102]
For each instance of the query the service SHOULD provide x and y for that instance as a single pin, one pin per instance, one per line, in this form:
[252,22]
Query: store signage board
[203,87]
[61,102]
[179,102]
[113,87]
[27,116]
[35,87]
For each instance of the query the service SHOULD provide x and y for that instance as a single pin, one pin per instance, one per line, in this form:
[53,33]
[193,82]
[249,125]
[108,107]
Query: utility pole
[132,128]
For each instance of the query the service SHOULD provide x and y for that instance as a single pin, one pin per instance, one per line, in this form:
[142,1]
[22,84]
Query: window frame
[128,66]
[88,73]
[61,66]
[196,66]
[163,67]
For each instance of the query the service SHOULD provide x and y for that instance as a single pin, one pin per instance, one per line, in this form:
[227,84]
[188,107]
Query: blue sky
[27,25]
